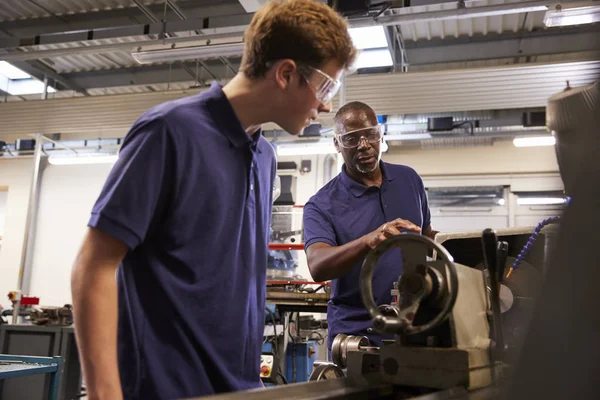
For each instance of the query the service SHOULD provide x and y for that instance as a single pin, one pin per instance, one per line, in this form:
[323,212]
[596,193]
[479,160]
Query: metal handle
[382,323]
[490,253]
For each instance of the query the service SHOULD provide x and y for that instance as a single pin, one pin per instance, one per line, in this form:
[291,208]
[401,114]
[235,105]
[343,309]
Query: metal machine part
[57,316]
[443,335]
[416,284]
[342,344]
[441,351]
[324,371]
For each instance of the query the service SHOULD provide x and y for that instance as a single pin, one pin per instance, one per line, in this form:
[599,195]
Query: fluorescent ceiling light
[369,37]
[373,58]
[572,16]
[540,201]
[188,53]
[407,136]
[94,158]
[12,72]
[305,149]
[534,141]
[507,11]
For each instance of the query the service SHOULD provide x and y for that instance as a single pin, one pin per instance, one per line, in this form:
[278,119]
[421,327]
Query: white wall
[3,200]
[501,158]
[67,194]
[15,174]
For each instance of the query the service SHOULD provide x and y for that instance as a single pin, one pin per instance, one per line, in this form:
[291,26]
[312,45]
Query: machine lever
[491,258]
[502,256]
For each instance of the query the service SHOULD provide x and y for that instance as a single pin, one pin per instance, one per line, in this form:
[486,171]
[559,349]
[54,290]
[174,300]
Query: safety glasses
[371,134]
[324,86]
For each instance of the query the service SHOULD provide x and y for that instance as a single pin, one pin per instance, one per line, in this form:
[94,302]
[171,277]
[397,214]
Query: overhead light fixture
[406,136]
[540,201]
[12,72]
[516,9]
[94,158]
[188,53]
[305,149]
[369,37]
[364,38]
[534,141]
[572,16]
[373,59]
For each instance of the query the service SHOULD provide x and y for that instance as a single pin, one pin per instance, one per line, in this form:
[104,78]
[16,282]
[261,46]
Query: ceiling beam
[117,17]
[228,65]
[431,52]
[503,46]
[452,13]
[252,5]
[146,11]
[41,70]
[209,27]
[153,74]
[176,9]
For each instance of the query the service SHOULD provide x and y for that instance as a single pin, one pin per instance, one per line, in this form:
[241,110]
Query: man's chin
[296,133]
[367,169]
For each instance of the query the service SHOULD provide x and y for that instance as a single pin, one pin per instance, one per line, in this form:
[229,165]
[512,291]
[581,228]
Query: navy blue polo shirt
[191,196]
[344,210]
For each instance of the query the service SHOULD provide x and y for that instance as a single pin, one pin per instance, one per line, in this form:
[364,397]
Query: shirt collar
[228,123]
[358,189]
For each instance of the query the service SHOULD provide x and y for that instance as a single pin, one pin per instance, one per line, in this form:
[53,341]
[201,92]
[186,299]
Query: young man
[177,244]
[368,202]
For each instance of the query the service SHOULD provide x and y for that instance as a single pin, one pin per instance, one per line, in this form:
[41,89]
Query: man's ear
[284,72]
[337,145]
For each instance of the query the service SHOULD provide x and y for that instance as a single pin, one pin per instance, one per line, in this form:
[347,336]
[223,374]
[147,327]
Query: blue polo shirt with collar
[191,197]
[344,210]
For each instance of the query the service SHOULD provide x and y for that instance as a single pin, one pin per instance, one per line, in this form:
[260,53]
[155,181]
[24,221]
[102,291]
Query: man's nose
[325,107]
[363,143]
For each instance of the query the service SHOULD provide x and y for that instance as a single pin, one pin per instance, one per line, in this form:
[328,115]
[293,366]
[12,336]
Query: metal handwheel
[419,281]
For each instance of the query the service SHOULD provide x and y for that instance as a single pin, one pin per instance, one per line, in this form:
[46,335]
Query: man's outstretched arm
[326,262]
[94,291]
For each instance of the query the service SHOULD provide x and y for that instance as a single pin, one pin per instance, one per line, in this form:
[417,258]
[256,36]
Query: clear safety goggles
[371,134]
[325,86]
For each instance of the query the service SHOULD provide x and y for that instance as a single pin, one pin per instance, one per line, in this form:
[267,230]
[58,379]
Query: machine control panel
[266,365]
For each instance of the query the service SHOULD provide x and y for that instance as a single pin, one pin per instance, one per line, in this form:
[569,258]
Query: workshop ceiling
[84,47]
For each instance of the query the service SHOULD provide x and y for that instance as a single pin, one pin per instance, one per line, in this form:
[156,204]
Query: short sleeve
[317,227]
[136,188]
[424,206]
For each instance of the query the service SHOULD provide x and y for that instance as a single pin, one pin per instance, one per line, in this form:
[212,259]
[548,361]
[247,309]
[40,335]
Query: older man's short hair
[349,107]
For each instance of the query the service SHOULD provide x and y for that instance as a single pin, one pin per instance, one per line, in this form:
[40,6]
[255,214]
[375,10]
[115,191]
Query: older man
[369,201]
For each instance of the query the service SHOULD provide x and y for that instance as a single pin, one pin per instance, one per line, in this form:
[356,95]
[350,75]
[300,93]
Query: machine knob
[265,370]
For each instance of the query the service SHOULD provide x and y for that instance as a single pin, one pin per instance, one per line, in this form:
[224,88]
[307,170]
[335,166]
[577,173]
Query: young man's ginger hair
[302,30]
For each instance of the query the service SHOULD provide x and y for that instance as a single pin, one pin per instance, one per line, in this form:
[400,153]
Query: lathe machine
[446,320]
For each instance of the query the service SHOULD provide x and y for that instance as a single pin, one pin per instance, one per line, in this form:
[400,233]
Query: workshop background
[89,68]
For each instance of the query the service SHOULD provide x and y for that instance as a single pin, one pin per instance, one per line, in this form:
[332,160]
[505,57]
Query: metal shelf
[23,369]
[12,366]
